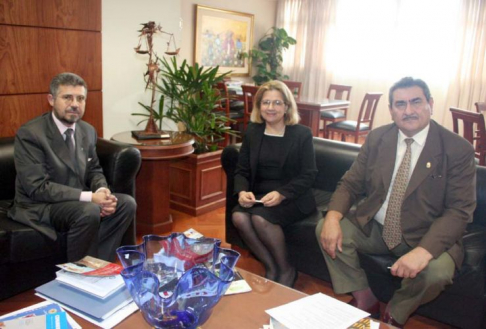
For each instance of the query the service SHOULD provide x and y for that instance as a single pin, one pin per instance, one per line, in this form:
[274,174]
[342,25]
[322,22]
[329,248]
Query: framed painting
[220,38]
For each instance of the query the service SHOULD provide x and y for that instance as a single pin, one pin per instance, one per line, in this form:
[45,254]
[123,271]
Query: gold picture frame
[220,37]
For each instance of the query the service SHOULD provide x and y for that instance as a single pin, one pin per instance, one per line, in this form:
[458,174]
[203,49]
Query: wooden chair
[295,87]
[480,107]
[335,115]
[249,93]
[473,129]
[365,120]
[232,110]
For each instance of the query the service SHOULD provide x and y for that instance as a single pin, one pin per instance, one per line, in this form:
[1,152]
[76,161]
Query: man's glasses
[276,103]
[68,99]
[415,103]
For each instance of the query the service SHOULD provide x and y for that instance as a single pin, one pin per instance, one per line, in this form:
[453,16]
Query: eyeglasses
[276,103]
[415,103]
[68,99]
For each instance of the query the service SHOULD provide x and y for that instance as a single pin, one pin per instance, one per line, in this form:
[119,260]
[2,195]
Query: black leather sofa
[28,258]
[463,304]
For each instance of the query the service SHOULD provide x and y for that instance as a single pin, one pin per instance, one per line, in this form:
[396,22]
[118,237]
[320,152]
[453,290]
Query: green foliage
[268,56]
[191,98]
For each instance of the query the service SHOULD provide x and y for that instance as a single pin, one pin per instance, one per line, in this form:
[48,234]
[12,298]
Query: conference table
[310,110]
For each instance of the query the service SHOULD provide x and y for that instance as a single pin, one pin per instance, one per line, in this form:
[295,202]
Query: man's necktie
[70,144]
[392,230]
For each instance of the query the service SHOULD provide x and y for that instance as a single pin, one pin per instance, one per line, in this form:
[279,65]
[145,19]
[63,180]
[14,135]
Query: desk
[310,111]
[152,194]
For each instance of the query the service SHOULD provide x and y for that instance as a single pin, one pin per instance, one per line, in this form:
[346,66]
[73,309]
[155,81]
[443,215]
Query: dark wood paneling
[66,14]
[31,57]
[15,110]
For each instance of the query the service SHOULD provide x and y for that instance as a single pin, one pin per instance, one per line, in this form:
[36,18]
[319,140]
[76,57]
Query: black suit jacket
[440,198]
[46,173]
[299,165]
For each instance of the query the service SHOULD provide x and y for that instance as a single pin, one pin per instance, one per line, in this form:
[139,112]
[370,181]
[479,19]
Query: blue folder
[84,302]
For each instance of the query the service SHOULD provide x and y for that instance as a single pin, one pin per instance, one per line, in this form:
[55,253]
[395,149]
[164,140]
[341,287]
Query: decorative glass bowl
[176,281]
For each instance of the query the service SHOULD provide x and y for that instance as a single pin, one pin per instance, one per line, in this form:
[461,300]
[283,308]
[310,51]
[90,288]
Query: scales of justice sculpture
[146,39]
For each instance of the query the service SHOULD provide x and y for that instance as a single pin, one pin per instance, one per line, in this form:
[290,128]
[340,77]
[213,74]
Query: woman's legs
[244,225]
[273,238]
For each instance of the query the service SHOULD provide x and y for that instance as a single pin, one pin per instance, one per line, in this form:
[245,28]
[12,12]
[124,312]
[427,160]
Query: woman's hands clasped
[247,199]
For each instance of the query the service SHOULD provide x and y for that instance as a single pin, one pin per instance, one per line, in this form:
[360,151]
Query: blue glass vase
[176,281]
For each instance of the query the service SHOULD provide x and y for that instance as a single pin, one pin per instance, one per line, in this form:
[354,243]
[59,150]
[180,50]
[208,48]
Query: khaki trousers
[348,276]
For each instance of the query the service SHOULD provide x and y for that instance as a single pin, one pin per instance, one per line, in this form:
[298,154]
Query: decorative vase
[176,281]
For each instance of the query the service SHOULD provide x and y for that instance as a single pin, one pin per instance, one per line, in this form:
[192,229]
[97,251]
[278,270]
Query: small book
[45,321]
[99,286]
[141,134]
[40,311]
[238,286]
[92,267]
[83,302]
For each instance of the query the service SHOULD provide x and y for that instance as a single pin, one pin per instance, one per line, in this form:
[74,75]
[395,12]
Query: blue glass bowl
[176,281]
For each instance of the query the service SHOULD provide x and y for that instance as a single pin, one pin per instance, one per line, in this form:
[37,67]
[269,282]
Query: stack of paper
[86,303]
[317,311]
[93,289]
[100,287]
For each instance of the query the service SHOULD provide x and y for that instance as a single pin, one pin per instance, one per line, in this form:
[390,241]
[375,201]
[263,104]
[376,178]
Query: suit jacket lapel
[257,143]
[57,142]
[387,155]
[428,160]
[289,138]
[81,149]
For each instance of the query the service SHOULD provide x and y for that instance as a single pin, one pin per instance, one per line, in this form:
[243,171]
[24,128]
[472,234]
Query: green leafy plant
[267,57]
[189,96]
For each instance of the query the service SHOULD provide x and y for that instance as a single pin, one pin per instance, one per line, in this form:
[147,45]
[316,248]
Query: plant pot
[197,183]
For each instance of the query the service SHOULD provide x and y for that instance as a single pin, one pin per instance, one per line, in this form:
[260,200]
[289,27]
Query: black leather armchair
[463,304]
[28,258]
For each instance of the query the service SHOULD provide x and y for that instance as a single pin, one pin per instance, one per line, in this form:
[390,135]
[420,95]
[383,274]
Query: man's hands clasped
[106,201]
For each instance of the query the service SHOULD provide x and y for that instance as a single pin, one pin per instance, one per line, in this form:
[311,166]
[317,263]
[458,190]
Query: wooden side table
[153,187]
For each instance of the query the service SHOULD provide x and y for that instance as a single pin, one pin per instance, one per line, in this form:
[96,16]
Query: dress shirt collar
[419,138]
[62,128]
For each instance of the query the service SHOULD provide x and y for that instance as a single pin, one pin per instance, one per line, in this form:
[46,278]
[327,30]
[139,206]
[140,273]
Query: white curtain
[370,44]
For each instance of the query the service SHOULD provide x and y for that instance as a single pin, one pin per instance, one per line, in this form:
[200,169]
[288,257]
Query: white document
[317,311]
[110,321]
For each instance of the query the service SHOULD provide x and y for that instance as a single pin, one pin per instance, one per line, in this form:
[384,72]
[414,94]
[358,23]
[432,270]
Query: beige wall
[123,84]
[264,19]
[123,69]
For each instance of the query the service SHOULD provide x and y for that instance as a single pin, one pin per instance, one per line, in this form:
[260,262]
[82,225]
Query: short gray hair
[66,79]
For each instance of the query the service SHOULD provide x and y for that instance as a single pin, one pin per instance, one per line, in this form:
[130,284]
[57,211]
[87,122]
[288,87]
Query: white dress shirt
[416,148]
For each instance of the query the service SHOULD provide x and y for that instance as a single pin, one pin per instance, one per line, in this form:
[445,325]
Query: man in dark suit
[60,186]
[413,184]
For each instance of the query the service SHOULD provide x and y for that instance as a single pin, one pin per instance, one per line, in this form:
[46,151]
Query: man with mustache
[60,186]
[413,185]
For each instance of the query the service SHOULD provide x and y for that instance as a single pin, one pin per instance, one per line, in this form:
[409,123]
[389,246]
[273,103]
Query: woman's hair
[291,116]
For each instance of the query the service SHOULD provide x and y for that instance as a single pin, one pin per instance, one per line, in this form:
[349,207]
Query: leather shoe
[374,309]
[388,319]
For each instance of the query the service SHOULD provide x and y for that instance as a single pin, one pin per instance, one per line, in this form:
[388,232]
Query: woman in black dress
[273,179]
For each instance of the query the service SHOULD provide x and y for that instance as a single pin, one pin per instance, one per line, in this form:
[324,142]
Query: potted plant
[189,97]
[267,57]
